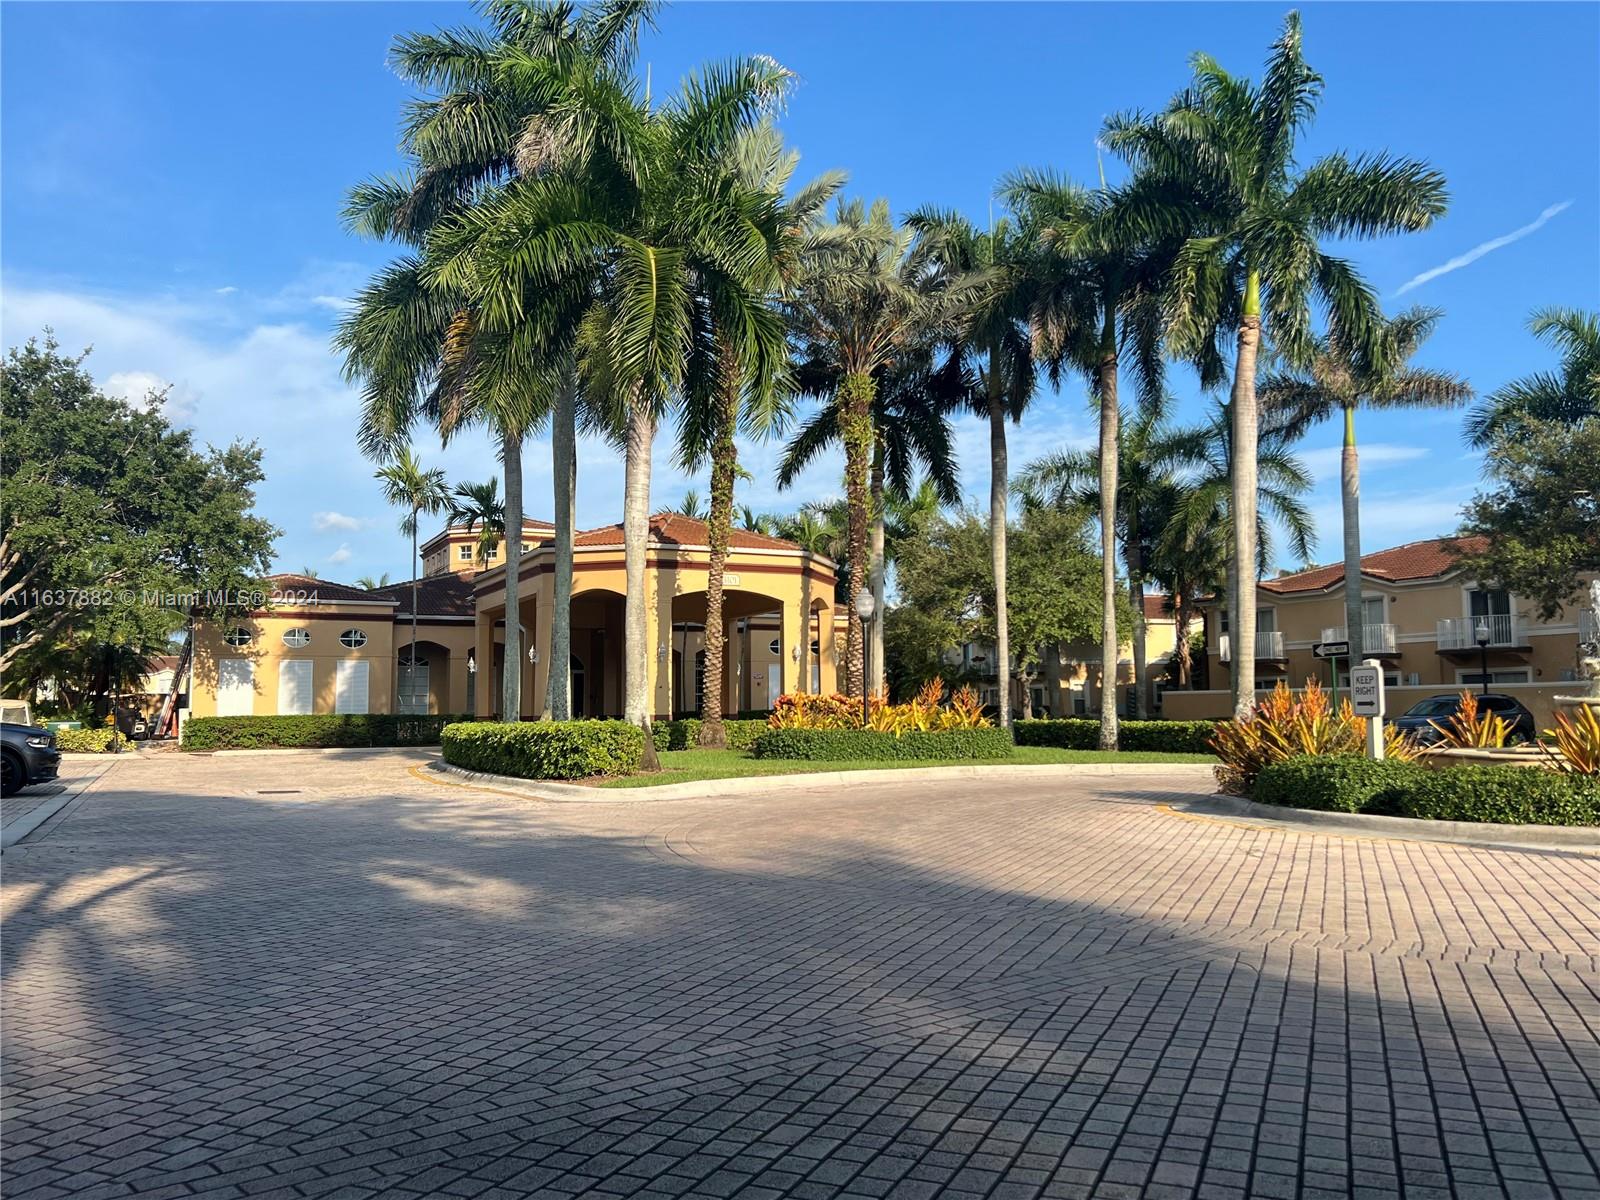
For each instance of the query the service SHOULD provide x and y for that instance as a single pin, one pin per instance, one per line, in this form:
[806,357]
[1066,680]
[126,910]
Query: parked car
[28,755]
[1418,719]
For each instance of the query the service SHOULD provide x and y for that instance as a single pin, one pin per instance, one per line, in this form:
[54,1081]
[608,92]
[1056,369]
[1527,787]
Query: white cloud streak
[341,555]
[1478,251]
[323,522]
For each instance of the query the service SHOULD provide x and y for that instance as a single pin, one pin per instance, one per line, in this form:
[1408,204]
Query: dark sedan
[28,755]
[1418,719]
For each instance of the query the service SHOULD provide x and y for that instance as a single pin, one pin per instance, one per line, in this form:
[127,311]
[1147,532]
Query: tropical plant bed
[689,766]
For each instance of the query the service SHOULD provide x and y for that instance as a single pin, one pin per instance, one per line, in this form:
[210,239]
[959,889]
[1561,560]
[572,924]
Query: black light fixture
[1483,653]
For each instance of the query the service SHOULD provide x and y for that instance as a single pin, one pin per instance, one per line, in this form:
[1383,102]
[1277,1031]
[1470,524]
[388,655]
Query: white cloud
[227,291]
[322,522]
[342,554]
[338,304]
[1324,461]
[136,387]
[1478,251]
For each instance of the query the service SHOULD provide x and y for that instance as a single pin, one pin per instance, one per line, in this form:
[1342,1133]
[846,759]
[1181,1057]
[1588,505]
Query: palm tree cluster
[578,253]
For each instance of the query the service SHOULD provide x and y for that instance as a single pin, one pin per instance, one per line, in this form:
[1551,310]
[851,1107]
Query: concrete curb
[1469,833]
[752,785]
[19,829]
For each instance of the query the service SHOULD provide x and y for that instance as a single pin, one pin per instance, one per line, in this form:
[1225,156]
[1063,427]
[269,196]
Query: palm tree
[1218,165]
[864,296]
[744,389]
[1344,376]
[488,117]
[368,583]
[1151,455]
[994,343]
[478,506]
[1093,303]
[689,506]
[911,432]
[1567,396]
[408,485]
[1189,564]
[640,234]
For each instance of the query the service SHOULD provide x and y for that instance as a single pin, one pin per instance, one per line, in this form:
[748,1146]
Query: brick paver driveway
[314,975]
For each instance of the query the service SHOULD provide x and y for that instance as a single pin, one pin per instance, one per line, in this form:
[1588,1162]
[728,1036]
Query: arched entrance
[423,686]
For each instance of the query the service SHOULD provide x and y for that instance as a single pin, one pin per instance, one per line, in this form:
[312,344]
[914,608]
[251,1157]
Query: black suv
[1418,719]
[28,755]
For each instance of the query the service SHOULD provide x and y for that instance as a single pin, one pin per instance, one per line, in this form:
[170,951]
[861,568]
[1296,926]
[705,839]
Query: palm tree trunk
[805,636]
[1182,615]
[1106,385]
[1135,555]
[416,571]
[855,411]
[1245,429]
[999,484]
[564,466]
[635,542]
[724,462]
[878,545]
[511,690]
[1233,623]
[1350,500]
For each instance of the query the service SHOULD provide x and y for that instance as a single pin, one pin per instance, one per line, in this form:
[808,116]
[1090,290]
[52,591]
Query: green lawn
[685,766]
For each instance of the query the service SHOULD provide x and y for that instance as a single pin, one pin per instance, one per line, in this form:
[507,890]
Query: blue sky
[173,176]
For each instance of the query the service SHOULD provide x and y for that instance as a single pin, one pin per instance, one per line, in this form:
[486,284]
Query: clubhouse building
[332,648]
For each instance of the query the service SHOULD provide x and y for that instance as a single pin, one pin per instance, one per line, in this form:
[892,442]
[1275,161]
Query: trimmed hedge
[545,749]
[851,745]
[1082,733]
[84,741]
[685,734]
[1495,795]
[1335,783]
[1503,796]
[315,731]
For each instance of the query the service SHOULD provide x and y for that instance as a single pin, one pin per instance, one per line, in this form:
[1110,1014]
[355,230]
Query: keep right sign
[1366,691]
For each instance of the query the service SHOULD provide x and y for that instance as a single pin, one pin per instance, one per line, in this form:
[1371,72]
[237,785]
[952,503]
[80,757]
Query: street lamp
[1483,653]
[864,609]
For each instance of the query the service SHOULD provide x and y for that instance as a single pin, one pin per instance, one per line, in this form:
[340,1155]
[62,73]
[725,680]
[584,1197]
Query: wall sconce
[472,665]
[533,654]
[661,654]
[794,653]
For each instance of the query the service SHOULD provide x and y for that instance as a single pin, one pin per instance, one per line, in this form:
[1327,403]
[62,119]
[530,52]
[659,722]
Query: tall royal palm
[1094,304]
[485,117]
[1343,376]
[638,222]
[1567,396]
[417,490]
[1151,456]
[1218,166]
[864,295]
[994,343]
[748,380]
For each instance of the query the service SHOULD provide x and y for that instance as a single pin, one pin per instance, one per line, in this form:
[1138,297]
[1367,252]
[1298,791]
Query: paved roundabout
[323,974]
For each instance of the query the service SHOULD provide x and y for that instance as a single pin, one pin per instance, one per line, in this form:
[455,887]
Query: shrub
[545,749]
[850,745]
[1336,783]
[314,731]
[1081,733]
[1285,726]
[84,741]
[1503,795]
[1577,741]
[684,734]
[923,712]
[1469,729]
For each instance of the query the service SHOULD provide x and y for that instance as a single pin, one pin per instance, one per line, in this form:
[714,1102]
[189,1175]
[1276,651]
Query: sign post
[1366,698]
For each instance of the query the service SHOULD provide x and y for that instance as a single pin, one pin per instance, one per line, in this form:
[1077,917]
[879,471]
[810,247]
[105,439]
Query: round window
[237,636]
[773,645]
[296,638]
[353,638]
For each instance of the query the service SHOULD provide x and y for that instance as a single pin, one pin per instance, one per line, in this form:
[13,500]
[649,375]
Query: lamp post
[1483,653]
[864,609]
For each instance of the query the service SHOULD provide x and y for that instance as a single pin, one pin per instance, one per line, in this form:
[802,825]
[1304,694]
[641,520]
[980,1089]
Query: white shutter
[236,687]
[350,692]
[294,687]
[774,682]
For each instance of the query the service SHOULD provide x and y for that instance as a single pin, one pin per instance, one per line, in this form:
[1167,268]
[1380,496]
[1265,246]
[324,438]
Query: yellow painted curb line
[427,776]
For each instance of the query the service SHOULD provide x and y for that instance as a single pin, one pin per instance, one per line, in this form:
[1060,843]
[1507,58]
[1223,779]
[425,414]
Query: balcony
[1269,647]
[1461,633]
[1375,639]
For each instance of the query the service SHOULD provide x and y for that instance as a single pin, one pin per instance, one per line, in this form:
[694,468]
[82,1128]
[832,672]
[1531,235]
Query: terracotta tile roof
[674,529]
[326,589]
[1400,564]
[1155,607]
[447,595]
